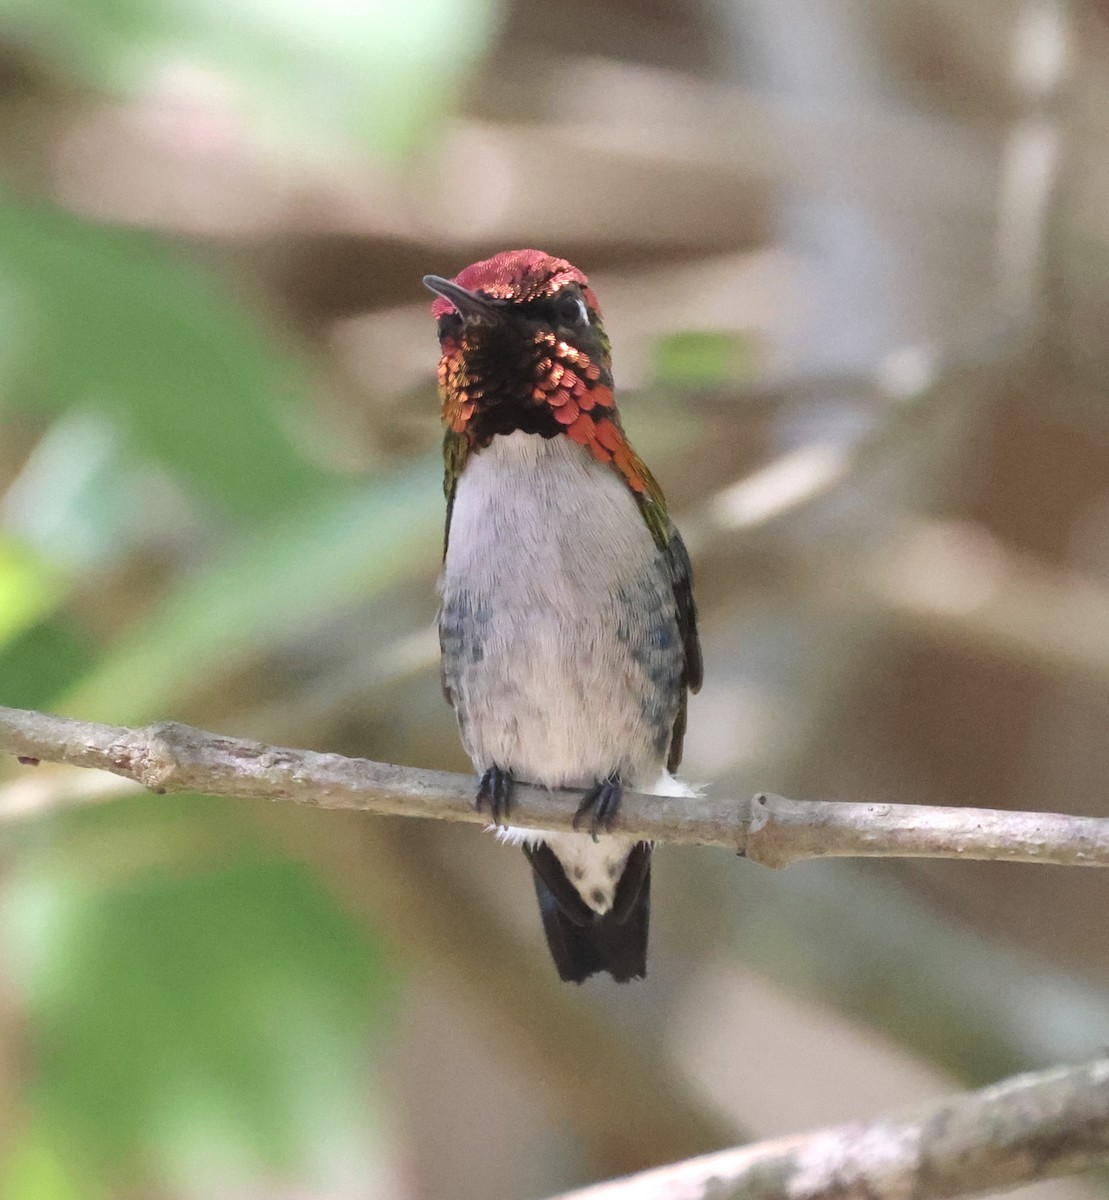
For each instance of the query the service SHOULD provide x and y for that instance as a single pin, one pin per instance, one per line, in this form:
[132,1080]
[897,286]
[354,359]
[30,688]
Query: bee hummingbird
[567,625]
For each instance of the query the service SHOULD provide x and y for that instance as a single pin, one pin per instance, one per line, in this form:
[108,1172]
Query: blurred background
[854,260]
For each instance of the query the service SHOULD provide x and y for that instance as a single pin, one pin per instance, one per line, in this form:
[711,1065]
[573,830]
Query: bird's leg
[496,788]
[602,802]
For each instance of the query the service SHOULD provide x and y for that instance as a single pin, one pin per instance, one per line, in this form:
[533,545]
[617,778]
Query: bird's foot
[601,803]
[496,788]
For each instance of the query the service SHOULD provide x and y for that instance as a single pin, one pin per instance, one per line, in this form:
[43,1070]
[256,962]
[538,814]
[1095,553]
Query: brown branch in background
[769,829]
[1025,1128]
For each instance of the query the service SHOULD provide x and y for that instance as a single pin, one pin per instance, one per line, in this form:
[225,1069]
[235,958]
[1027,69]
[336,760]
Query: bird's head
[523,348]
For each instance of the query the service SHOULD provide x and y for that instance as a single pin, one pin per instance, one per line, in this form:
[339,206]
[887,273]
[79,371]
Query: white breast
[537,518]
[550,555]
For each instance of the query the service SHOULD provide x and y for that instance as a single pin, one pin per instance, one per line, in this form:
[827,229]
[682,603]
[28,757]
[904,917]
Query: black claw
[602,803]
[496,788]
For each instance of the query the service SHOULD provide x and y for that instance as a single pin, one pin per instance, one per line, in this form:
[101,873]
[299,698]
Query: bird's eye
[572,311]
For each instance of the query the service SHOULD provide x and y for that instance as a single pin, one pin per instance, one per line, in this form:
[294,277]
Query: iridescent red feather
[521,275]
[550,371]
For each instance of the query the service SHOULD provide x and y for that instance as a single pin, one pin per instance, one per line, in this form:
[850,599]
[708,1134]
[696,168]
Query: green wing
[456,450]
[693,673]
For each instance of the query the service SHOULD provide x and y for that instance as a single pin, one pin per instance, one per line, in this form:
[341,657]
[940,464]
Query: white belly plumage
[559,633]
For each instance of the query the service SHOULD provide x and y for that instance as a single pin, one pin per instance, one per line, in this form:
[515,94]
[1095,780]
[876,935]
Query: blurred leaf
[36,1170]
[704,359]
[42,662]
[378,70]
[76,499]
[120,322]
[179,1015]
[89,37]
[268,586]
[29,588]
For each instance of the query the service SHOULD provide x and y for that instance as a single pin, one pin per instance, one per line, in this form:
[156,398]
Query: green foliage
[118,321]
[304,74]
[704,359]
[199,1012]
[43,662]
[29,587]
[36,1170]
[218,1000]
[217,1013]
[265,587]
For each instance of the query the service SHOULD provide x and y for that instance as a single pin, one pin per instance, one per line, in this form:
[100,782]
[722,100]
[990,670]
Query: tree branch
[771,830]
[1025,1128]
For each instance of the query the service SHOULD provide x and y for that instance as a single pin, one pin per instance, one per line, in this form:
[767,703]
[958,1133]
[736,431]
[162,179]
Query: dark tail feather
[583,943]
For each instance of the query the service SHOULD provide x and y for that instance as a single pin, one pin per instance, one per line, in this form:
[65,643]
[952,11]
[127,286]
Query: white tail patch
[671,785]
[593,867]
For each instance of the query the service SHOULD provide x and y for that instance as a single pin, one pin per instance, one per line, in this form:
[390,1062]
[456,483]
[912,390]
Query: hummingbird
[567,627]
